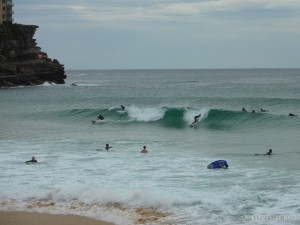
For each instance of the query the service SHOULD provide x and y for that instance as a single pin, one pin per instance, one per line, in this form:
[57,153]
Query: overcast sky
[166,34]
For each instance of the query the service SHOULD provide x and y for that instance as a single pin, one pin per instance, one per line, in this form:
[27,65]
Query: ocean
[171,183]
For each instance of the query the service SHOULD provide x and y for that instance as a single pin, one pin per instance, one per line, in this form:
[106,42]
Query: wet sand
[31,218]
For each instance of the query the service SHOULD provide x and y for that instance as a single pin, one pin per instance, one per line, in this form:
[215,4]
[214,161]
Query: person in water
[263,110]
[144,150]
[253,111]
[107,147]
[33,160]
[196,118]
[221,164]
[100,117]
[244,110]
[269,152]
[123,107]
[224,166]
[292,114]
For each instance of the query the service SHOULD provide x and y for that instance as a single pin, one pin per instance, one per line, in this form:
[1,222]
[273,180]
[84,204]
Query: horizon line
[242,68]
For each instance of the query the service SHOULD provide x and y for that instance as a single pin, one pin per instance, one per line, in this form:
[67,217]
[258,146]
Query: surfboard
[263,154]
[97,121]
[30,162]
[194,124]
[217,164]
[122,111]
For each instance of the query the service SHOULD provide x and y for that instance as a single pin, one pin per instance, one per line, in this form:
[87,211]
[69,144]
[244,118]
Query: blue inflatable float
[218,164]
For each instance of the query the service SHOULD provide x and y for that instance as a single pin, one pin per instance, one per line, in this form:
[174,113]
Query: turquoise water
[75,175]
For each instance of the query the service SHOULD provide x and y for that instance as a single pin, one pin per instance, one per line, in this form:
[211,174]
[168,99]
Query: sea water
[171,184]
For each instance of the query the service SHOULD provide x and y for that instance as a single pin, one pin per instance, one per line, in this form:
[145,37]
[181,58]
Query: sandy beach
[31,218]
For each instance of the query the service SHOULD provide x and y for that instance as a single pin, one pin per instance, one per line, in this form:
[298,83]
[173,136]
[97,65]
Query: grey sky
[149,34]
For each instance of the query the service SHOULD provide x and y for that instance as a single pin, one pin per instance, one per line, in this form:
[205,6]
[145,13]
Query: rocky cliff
[22,62]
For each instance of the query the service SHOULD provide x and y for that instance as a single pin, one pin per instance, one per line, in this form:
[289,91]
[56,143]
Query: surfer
[33,160]
[196,118]
[292,114]
[123,107]
[253,111]
[100,117]
[263,110]
[107,147]
[144,150]
[244,110]
[269,152]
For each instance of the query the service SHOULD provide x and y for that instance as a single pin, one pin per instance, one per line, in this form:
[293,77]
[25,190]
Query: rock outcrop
[22,62]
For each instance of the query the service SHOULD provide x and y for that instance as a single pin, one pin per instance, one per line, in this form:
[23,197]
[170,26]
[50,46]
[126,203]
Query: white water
[81,180]
[75,176]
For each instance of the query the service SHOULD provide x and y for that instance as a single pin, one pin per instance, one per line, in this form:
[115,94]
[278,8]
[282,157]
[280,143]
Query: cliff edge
[22,62]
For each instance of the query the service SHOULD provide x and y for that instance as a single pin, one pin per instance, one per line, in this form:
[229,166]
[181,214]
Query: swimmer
[107,147]
[144,150]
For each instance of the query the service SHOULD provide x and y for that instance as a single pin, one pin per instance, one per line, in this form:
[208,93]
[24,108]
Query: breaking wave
[174,117]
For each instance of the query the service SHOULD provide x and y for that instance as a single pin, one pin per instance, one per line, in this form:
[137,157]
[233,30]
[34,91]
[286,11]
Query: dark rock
[22,62]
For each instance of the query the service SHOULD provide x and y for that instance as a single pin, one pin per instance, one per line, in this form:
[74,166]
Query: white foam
[111,185]
[145,114]
[48,84]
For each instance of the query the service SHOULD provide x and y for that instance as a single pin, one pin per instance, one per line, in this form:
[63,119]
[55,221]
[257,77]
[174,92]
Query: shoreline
[30,218]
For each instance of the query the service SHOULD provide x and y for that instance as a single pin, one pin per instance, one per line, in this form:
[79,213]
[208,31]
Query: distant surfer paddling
[244,110]
[263,110]
[33,160]
[292,114]
[269,152]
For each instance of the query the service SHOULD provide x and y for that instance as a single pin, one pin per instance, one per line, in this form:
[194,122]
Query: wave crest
[174,117]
